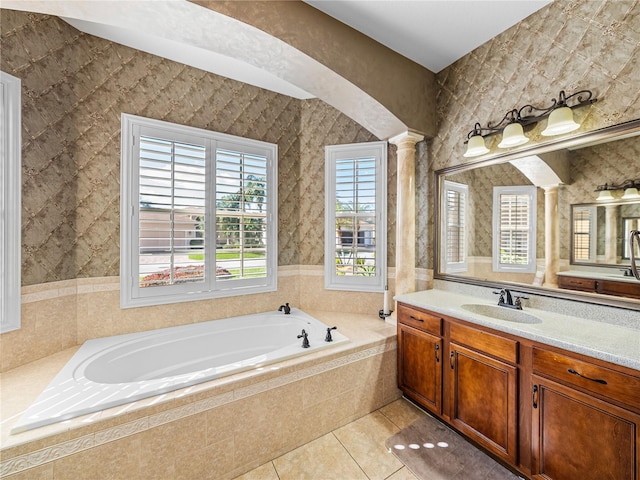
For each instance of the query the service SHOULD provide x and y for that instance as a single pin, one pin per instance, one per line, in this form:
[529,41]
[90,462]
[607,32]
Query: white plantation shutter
[584,234]
[172,182]
[199,217]
[355,216]
[242,196]
[10,201]
[514,220]
[456,200]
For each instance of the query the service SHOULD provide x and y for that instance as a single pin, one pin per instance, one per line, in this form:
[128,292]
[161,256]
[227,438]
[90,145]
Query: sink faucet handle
[517,302]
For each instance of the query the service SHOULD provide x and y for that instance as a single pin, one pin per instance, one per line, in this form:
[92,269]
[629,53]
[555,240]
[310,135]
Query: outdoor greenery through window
[514,229]
[355,237]
[201,217]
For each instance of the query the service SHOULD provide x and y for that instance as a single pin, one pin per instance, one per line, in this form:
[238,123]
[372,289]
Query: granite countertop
[618,344]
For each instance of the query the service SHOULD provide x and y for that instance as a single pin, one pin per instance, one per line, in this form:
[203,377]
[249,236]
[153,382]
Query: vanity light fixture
[630,188]
[560,120]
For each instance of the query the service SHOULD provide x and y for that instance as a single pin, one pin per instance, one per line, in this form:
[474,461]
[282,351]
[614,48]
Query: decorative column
[406,211]
[551,236]
[611,234]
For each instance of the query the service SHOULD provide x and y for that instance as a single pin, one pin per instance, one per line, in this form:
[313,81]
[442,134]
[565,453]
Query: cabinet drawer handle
[451,355]
[534,396]
[597,380]
[437,356]
[416,319]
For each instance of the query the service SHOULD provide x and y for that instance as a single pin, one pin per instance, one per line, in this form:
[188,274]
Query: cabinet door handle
[534,396]
[451,355]
[416,319]
[437,356]
[597,380]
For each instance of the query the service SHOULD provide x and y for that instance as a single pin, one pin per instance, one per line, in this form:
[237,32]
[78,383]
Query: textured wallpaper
[568,45]
[75,87]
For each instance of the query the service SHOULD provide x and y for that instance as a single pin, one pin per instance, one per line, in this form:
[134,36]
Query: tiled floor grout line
[333,432]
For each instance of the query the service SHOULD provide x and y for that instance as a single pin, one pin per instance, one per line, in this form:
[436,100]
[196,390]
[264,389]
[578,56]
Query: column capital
[406,137]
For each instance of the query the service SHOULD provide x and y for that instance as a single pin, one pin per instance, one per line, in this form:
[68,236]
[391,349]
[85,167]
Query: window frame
[530,191]
[456,267]
[333,153]
[10,203]
[131,294]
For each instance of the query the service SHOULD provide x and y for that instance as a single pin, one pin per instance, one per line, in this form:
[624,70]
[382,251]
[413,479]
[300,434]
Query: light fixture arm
[530,114]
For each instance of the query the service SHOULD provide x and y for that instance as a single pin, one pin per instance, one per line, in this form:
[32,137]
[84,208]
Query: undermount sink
[501,313]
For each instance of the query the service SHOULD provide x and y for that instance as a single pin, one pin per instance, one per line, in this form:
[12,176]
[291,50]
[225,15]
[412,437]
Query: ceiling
[433,33]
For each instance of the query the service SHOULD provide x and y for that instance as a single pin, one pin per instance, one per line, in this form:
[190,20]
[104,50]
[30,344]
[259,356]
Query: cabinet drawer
[503,348]
[594,378]
[427,322]
[577,283]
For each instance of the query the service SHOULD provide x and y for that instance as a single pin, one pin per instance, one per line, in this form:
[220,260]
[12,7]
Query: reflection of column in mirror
[551,236]
[610,234]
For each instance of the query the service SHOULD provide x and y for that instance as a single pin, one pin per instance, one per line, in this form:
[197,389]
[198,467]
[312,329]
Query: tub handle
[305,340]
[329,338]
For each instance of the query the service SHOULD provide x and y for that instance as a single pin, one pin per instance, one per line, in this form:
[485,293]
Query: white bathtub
[112,371]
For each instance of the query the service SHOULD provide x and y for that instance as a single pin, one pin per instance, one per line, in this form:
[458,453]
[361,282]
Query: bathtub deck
[22,385]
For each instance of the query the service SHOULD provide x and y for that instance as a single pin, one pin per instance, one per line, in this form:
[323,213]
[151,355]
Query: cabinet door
[483,400]
[578,437]
[420,367]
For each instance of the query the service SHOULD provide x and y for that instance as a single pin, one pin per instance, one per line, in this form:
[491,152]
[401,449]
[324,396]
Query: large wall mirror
[540,219]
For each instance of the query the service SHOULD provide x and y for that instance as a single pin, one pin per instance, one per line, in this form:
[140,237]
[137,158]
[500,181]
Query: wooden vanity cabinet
[483,385]
[550,414]
[581,428]
[420,357]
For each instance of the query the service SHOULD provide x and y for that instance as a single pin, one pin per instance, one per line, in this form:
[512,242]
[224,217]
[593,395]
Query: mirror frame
[583,139]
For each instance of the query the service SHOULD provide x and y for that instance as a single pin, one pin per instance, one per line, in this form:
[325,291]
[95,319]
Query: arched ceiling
[216,41]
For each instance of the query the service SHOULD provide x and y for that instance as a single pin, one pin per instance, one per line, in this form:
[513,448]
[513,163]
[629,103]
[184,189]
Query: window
[584,234]
[356,217]
[198,214]
[514,229]
[10,202]
[456,203]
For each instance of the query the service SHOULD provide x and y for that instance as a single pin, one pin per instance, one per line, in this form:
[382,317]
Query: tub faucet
[286,308]
[305,340]
[329,338]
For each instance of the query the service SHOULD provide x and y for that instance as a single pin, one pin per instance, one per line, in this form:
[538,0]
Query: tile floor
[354,452]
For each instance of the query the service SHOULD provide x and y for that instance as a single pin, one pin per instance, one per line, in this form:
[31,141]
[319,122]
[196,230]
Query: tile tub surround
[218,429]
[573,326]
[60,315]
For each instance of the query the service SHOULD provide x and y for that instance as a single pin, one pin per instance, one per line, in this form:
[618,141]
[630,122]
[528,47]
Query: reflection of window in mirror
[514,229]
[584,234]
[456,200]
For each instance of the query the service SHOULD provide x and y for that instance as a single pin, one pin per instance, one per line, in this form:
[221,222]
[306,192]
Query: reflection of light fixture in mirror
[605,196]
[512,136]
[512,125]
[631,193]
[630,187]
[475,145]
